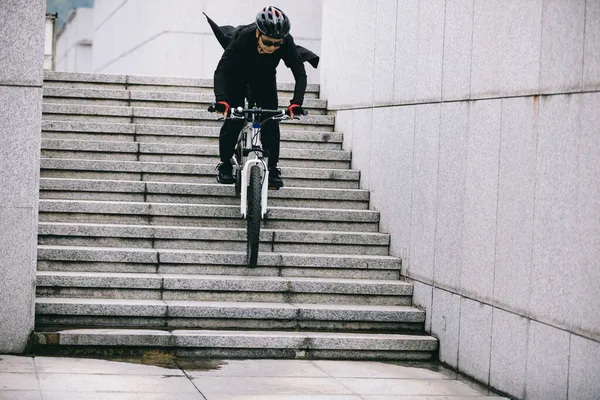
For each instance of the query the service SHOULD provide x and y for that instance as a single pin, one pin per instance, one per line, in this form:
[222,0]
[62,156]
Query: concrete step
[222,288]
[159,99]
[213,238]
[162,116]
[147,83]
[173,134]
[178,314]
[187,173]
[181,153]
[211,262]
[190,193]
[242,344]
[204,215]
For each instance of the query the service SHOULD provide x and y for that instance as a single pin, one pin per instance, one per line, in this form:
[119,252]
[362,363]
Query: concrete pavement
[49,378]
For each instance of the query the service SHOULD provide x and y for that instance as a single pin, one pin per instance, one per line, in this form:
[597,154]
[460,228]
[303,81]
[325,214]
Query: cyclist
[250,61]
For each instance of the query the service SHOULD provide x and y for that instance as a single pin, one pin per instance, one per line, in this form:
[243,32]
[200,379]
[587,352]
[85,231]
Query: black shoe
[275,181]
[225,174]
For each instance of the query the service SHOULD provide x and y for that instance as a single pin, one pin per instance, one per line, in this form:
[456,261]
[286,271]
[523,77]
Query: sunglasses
[270,43]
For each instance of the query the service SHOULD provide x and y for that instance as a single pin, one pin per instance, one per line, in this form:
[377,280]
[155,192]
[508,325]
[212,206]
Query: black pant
[263,91]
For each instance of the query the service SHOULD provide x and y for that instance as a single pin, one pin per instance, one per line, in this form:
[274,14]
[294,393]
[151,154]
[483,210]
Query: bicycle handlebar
[244,113]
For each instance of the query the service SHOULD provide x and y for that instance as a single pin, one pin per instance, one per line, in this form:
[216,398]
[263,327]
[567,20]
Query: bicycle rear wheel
[253,216]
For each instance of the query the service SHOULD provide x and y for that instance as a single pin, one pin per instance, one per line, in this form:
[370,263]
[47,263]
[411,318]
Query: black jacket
[242,61]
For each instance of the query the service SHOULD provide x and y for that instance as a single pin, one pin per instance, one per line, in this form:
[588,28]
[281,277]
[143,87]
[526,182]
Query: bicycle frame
[252,136]
[254,174]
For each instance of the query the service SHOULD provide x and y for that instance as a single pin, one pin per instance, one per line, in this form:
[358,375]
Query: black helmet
[271,21]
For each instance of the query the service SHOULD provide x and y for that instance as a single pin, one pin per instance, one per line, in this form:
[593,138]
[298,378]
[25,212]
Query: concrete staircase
[140,248]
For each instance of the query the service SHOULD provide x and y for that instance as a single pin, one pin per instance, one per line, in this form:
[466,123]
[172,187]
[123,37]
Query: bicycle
[252,174]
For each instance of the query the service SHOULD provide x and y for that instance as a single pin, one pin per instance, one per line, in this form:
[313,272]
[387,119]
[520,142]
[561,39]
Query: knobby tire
[254,216]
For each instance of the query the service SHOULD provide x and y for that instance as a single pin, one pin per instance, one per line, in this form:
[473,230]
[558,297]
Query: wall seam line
[501,308]
[548,94]
[471,54]
[395,53]
[496,238]
[584,42]
[110,15]
[569,364]
[412,182]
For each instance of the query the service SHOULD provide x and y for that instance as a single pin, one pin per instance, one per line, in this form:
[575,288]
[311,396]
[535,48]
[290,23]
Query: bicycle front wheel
[253,216]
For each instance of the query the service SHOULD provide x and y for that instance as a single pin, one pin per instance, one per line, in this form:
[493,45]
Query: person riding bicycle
[250,61]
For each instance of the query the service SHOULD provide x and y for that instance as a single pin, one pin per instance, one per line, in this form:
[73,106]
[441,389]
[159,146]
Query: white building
[169,38]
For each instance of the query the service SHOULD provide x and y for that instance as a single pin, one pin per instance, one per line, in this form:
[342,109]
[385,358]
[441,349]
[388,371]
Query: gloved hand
[295,109]
[222,107]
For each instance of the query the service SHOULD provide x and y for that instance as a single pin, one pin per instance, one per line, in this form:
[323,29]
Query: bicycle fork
[264,189]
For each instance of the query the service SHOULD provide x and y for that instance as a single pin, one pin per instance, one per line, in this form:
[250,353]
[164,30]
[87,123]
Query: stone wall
[476,127]
[21,72]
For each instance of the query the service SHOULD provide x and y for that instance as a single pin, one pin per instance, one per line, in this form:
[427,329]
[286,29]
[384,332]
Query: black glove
[221,107]
[295,109]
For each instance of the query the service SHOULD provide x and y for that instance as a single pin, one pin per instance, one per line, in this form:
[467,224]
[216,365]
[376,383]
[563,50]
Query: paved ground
[45,378]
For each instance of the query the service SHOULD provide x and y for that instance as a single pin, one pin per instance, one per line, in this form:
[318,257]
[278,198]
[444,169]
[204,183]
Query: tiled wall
[476,126]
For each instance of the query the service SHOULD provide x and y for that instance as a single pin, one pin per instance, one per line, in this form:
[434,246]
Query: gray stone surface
[342,312]
[22,33]
[344,124]
[555,216]
[547,362]
[422,297]
[84,77]
[583,368]
[17,287]
[188,309]
[407,51]
[349,286]
[100,280]
[475,340]
[58,253]
[445,324]
[515,204]
[487,50]
[584,315]
[450,201]
[101,307]
[101,94]
[19,145]
[238,339]
[591,60]
[331,237]
[430,51]
[520,38]
[562,46]
[72,126]
[85,110]
[114,337]
[92,185]
[384,58]
[91,146]
[509,353]
[458,36]
[358,341]
[424,193]
[362,139]
[481,199]
[393,144]
[217,283]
